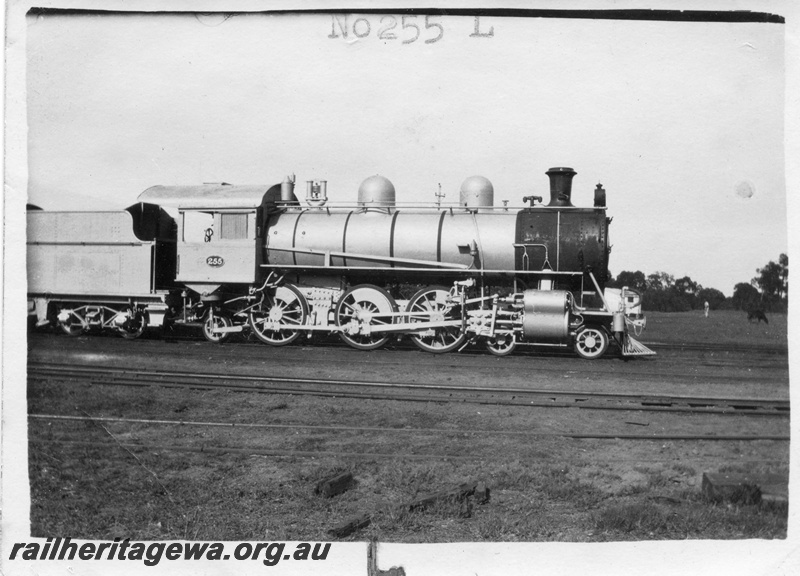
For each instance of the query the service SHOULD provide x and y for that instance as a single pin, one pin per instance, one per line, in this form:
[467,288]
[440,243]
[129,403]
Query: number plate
[215,261]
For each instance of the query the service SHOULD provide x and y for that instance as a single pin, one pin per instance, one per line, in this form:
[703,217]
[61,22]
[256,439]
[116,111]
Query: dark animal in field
[757,315]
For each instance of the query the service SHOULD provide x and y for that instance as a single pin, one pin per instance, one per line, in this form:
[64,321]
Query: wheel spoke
[213,323]
[288,305]
[362,306]
[591,343]
[431,305]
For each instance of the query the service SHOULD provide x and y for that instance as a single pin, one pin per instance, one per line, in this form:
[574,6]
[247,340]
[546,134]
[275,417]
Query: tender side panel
[81,227]
[85,253]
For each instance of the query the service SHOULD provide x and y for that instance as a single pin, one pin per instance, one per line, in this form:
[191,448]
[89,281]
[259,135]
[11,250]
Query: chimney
[560,186]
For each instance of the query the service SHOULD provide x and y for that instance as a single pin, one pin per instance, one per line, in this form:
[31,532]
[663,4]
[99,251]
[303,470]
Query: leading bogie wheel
[213,321]
[286,306]
[501,344]
[430,305]
[361,309]
[591,343]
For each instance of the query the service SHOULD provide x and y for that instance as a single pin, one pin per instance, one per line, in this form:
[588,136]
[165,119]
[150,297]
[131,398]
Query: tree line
[662,292]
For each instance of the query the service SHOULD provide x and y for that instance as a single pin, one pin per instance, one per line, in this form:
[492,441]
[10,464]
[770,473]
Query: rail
[416,391]
[390,430]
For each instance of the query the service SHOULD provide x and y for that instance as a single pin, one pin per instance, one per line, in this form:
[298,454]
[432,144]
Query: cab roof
[207,196]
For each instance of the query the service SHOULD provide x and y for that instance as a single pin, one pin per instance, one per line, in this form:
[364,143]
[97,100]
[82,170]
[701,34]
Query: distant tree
[660,281]
[635,280]
[773,279]
[687,289]
[686,286]
[783,260]
[714,297]
[745,297]
[665,301]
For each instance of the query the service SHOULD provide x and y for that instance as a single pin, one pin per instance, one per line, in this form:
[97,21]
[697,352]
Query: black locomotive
[233,258]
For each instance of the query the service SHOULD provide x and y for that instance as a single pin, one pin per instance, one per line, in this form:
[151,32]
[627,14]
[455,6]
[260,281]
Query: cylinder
[560,186]
[476,192]
[546,314]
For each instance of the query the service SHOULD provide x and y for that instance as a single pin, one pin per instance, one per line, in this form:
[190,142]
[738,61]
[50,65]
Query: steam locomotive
[229,259]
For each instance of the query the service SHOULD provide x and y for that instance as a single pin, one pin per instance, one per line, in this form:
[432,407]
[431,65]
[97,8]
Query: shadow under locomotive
[228,259]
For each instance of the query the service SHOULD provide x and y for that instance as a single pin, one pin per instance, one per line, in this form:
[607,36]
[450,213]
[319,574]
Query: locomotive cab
[217,246]
[219,227]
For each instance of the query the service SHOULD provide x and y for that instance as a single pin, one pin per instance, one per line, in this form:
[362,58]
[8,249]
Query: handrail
[423,205]
[328,254]
[527,259]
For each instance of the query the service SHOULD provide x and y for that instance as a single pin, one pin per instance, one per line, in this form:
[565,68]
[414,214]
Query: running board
[633,347]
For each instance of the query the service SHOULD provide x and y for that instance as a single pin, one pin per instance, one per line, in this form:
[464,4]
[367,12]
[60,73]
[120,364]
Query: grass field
[726,327]
[544,488]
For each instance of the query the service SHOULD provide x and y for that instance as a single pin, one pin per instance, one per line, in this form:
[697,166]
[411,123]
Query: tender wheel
[213,321]
[364,306]
[591,343]
[430,304]
[134,325]
[501,344]
[286,306]
[71,322]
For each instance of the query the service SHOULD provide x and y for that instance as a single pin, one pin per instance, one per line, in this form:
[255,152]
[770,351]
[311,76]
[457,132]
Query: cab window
[233,226]
[198,227]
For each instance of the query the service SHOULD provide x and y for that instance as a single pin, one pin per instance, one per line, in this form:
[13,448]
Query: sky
[682,122]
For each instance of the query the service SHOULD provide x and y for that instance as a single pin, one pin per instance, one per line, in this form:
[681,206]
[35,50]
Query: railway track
[411,391]
[288,432]
[411,431]
[709,370]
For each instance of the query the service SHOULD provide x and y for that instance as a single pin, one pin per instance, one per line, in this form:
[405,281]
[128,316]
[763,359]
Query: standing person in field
[705,308]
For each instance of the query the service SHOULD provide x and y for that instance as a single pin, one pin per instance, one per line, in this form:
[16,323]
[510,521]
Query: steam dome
[476,192]
[376,191]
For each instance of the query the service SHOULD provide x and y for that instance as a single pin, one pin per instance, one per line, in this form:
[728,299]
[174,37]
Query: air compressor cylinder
[545,314]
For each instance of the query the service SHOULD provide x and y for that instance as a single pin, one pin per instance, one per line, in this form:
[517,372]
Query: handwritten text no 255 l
[409,31]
